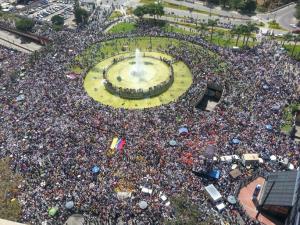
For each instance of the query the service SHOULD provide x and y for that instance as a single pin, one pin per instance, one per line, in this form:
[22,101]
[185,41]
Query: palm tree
[212,24]
[296,39]
[251,27]
[202,28]
[244,31]
[220,35]
[286,38]
[237,30]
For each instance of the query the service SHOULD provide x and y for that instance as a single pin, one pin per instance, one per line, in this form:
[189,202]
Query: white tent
[213,193]
[220,206]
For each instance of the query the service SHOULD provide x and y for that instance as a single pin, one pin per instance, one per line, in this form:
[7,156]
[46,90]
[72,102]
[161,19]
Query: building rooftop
[283,192]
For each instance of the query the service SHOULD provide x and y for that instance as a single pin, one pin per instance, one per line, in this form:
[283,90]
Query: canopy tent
[213,193]
[143,204]
[183,130]
[95,169]
[52,211]
[269,127]
[229,158]
[235,141]
[231,199]
[121,195]
[220,206]
[172,143]
[69,204]
[265,87]
[235,173]
[215,174]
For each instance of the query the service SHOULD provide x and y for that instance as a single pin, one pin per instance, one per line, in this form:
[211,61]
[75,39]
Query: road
[284,16]
[215,10]
[201,17]
[12,41]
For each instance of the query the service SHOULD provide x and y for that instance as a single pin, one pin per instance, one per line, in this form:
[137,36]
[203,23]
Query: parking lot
[44,12]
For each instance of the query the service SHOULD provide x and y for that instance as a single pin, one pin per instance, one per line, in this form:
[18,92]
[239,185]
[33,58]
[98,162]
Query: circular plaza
[127,81]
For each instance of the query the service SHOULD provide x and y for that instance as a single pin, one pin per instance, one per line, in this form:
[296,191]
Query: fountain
[137,68]
[145,77]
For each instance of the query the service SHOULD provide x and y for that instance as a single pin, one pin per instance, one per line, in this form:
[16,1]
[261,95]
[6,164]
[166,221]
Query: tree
[297,12]
[251,28]
[140,11]
[154,10]
[81,15]
[237,30]
[235,4]
[24,24]
[286,38]
[10,208]
[202,28]
[187,213]
[57,20]
[212,24]
[224,3]
[248,6]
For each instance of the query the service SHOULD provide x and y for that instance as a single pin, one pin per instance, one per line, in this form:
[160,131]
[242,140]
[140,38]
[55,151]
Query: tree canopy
[57,20]
[24,24]
[246,6]
[187,213]
[153,9]
[81,15]
[297,13]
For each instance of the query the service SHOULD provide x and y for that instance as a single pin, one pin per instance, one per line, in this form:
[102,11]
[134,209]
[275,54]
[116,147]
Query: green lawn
[122,28]
[97,53]
[222,40]
[10,208]
[114,15]
[100,55]
[296,53]
[172,28]
[180,7]
[288,117]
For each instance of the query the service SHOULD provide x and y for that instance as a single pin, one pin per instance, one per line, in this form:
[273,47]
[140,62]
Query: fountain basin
[154,76]
[94,84]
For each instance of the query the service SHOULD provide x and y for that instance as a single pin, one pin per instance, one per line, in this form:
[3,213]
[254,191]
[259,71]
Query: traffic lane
[278,12]
[204,17]
[208,9]
[287,18]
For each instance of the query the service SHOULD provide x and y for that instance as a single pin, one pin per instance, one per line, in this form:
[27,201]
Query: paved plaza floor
[245,198]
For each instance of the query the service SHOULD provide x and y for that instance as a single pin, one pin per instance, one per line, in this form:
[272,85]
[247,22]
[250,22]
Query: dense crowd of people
[56,134]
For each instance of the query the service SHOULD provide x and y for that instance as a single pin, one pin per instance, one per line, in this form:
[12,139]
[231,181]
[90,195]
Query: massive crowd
[55,134]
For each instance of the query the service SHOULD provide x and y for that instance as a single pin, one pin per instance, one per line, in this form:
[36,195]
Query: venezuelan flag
[121,144]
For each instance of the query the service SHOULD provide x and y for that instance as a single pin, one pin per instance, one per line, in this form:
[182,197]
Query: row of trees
[155,10]
[289,37]
[242,30]
[245,31]
[297,13]
[245,6]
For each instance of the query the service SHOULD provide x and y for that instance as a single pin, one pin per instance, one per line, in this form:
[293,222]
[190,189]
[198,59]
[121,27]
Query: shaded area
[211,98]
